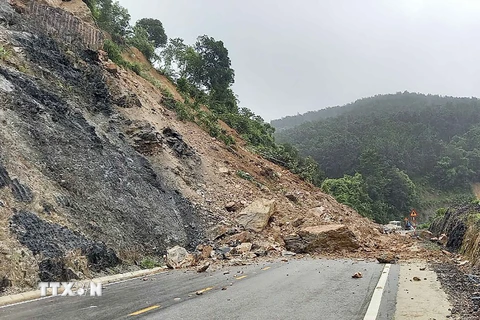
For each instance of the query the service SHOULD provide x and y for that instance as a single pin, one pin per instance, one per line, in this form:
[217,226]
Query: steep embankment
[462,227]
[96,174]
[66,166]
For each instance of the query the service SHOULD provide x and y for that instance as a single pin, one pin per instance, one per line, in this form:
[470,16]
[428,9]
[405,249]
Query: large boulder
[178,257]
[255,217]
[324,238]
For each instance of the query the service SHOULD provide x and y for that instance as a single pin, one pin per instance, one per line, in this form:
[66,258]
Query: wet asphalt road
[298,289]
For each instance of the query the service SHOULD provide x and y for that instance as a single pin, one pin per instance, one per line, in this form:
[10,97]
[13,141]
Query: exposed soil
[476,190]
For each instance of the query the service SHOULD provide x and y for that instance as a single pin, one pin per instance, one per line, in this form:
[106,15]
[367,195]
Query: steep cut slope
[461,225]
[96,174]
[65,163]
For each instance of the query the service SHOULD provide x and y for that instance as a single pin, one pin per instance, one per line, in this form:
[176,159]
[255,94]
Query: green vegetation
[406,146]
[203,75]
[4,53]
[155,31]
[474,218]
[114,52]
[439,214]
[149,263]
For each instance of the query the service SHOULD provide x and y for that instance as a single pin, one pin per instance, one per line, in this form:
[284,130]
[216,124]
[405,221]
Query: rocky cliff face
[95,173]
[69,179]
[462,226]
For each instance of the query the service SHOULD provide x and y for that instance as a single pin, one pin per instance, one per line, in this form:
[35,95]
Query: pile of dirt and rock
[96,174]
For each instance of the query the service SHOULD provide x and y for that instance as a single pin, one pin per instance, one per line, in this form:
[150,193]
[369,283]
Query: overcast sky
[291,57]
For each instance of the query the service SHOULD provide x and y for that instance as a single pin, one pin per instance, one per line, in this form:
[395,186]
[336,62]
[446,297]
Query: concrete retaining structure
[64,25]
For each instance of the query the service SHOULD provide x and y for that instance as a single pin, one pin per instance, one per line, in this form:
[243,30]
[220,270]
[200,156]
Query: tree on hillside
[111,17]
[139,39]
[350,190]
[155,31]
[216,71]
[181,61]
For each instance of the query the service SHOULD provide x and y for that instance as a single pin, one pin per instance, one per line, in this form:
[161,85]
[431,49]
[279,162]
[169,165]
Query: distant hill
[430,138]
[293,121]
[406,100]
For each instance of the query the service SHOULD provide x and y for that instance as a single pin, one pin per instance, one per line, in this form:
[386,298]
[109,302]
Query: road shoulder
[420,295]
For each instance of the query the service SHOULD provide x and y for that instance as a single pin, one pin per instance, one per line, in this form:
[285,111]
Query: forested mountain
[386,101]
[293,121]
[390,141]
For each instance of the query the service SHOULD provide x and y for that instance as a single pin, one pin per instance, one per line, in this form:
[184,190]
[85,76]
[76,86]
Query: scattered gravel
[463,290]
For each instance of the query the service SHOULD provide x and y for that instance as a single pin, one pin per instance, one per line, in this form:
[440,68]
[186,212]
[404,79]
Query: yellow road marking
[204,290]
[136,313]
[240,278]
[266,268]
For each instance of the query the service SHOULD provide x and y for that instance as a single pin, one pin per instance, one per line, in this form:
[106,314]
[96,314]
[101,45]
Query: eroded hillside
[96,173]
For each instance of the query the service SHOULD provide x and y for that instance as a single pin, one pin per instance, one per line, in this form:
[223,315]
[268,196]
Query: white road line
[374,305]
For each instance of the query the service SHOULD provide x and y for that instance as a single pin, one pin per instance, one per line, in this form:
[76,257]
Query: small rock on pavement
[357,275]
[286,253]
[416,279]
[203,268]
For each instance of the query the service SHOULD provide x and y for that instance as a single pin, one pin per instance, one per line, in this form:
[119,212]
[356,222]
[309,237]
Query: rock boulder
[324,238]
[178,257]
[255,217]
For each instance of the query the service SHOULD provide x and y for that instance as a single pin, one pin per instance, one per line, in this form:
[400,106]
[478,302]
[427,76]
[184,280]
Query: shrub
[136,67]
[114,52]
[149,263]
[4,53]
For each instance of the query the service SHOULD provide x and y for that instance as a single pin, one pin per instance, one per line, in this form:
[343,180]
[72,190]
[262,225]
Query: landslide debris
[96,174]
